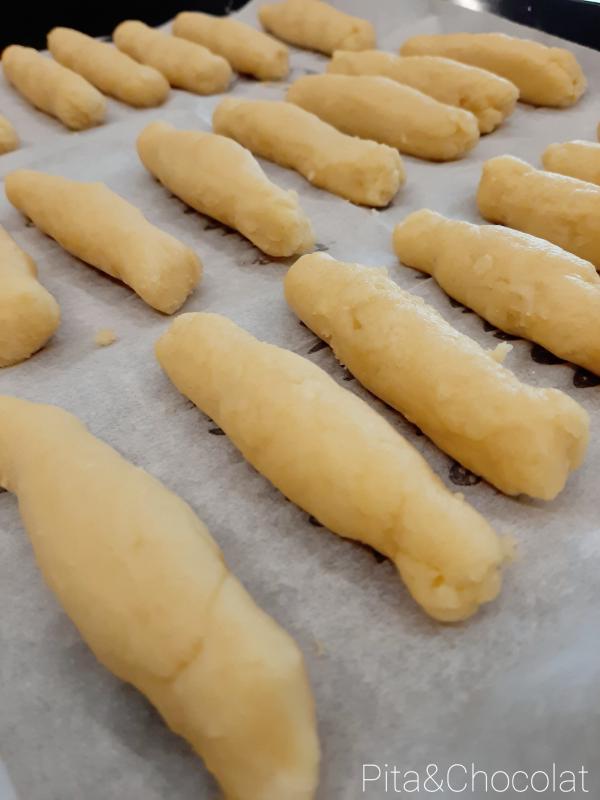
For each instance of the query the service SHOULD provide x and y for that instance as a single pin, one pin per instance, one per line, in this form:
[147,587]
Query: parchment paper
[514,688]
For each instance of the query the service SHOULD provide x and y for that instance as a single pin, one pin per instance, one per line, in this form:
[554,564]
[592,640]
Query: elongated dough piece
[519,283]
[184,64]
[53,88]
[147,588]
[222,179]
[488,96]
[315,25]
[101,228]
[248,51]
[577,159]
[29,315]
[8,136]
[335,457]
[386,111]
[545,76]
[359,170]
[522,439]
[108,69]
[563,210]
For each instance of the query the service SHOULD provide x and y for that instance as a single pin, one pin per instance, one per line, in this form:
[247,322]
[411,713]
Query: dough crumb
[500,352]
[105,337]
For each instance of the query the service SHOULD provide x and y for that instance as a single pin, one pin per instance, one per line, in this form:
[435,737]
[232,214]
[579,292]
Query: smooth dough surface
[381,109]
[248,51]
[29,315]
[521,284]
[563,210]
[8,136]
[578,159]
[52,88]
[184,64]
[545,76]
[522,439]
[488,96]
[315,25]
[104,230]
[108,69]
[220,178]
[335,457]
[146,585]
[361,171]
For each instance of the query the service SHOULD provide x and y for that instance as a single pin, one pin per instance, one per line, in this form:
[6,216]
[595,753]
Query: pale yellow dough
[563,210]
[104,230]
[577,159]
[386,111]
[248,51]
[545,76]
[8,136]
[146,586]
[108,69]
[488,96]
[184,64]
[220,178]
[521,284]
[29,315]
[359,170]
[105,337]
[335,457]
[52,88]
[522,439]
[315,25]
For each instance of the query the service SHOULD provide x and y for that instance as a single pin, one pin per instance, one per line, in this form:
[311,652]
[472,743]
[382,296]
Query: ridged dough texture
[381,109]
[578,159]
[335,457]
[361,171]
[523,439]
[315,25]
[248,51]
[563,210]
[52,88]
[29,315]
[184,64]
[545,76]
[108,69]
[104,230]
[146,586]
[8,136]
[220,178]
[488,96]
[521,284]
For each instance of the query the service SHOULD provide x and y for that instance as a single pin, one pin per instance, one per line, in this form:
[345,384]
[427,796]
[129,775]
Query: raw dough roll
[8,136]
[520,284]
[53,88]
[184,64]
[522,439]
[248,51]
[386,111]
[577,159]
[316,26]
[361,171]
[545,76]
[488,96]
[335,457]
[221,179]
[146,586]
[29,315]
[104,230]
[563,210]
[108,69]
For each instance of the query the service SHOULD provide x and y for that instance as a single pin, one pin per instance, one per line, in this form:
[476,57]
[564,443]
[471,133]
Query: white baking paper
[514,688]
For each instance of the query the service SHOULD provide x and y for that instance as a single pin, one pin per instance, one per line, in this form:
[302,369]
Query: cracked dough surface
[578,159]
[147,588]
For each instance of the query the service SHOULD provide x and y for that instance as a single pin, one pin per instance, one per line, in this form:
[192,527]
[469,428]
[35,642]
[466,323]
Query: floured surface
[514,688]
